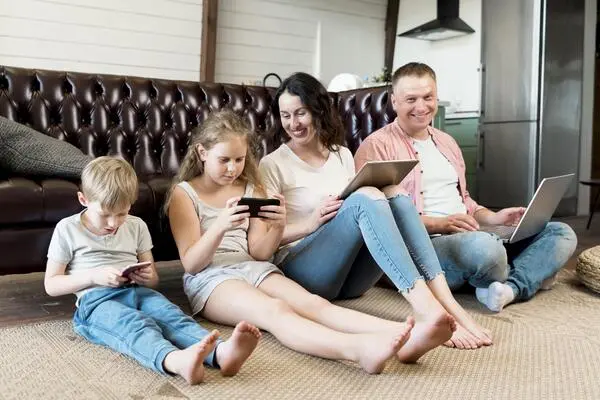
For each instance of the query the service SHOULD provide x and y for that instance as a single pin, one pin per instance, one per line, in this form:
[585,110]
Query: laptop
[379,174]
[538,213]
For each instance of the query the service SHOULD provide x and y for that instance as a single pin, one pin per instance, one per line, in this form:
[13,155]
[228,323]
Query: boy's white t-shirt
[303,186]
[441,196]
[73,244]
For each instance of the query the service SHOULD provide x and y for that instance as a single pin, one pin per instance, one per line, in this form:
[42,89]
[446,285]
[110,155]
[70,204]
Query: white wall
[161,38]
[324,38]
[456,61]
[152,38]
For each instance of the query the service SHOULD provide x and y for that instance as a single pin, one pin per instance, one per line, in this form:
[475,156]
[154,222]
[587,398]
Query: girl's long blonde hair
[218,127]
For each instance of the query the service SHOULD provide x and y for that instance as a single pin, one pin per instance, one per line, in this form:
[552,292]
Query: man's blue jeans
[138,322]
[349,254]
[480,258]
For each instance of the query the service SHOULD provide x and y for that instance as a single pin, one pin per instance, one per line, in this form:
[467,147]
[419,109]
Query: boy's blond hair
[110,181]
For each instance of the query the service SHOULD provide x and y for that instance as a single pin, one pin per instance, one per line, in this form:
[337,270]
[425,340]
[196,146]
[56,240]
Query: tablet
[379,174]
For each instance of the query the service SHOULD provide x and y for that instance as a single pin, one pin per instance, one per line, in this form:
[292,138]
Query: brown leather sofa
[146,121]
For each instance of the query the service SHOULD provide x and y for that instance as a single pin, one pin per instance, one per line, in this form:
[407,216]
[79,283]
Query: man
[501,273]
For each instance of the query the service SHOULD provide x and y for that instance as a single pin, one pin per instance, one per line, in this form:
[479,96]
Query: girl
[224,254]
[368,235]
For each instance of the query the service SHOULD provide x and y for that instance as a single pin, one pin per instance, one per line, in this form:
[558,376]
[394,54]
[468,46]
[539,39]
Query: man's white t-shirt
[440,181]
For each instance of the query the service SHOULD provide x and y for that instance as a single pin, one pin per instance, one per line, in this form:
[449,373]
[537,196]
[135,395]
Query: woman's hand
[326,211]
[232,215]
[274,216]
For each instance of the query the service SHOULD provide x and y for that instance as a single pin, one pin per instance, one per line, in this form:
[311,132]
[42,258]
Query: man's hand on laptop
[451,224]
[507,216]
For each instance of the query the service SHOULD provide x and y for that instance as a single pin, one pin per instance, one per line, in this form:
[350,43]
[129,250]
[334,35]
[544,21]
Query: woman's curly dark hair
[315,98]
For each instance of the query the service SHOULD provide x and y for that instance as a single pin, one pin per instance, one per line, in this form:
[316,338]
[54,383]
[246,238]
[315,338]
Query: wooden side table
[592,183]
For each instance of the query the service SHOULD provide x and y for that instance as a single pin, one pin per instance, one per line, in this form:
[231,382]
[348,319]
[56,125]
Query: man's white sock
[496,296]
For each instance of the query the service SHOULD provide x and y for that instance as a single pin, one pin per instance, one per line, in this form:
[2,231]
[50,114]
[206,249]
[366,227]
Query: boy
[87,255]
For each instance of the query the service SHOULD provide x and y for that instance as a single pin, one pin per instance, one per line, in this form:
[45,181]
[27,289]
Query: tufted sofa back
[148,121]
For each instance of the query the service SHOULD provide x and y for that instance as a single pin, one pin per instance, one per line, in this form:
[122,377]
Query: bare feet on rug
[469,334]
[496,296]
[232,353]
[188,363]
[376,349]
[427,335]
[464,340]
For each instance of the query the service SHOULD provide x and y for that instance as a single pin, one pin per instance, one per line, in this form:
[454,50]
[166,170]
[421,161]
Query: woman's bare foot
[463,339]
[232,353]
[427,335]
[376,349]
[482,336]
[188,363]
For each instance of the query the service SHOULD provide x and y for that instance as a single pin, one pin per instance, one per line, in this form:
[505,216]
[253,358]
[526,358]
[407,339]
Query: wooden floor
[23,299]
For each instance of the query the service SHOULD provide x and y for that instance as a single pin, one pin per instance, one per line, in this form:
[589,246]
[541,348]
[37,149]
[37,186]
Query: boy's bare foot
[377,349]
[232,353]
[188,362]
[427,335]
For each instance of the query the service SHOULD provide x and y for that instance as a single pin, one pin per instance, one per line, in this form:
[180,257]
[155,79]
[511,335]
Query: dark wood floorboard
[23,299]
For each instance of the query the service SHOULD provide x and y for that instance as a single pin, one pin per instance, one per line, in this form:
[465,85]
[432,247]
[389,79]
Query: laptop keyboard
[503,231]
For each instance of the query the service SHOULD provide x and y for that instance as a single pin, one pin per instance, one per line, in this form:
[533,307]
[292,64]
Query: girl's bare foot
[188,363]
[377,349]
[232,353]
[427,335]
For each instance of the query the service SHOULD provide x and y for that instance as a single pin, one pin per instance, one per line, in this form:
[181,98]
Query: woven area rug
[548,348]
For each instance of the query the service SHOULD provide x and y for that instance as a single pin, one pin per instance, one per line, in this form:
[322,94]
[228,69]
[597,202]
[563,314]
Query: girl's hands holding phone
[275,216]
[232,215]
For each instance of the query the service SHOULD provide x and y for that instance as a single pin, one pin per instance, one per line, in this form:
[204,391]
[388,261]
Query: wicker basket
[588,268]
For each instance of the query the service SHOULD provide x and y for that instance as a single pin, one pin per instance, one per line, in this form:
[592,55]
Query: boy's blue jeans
[139,322]
[349,254]
[480,258]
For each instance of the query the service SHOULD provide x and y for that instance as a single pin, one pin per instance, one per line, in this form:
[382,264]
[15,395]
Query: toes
[449,343]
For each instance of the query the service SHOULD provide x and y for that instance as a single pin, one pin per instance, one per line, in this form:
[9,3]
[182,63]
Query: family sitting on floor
[280,272]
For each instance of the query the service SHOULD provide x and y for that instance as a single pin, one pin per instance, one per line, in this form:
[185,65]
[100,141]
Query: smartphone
[134,267]
[254,204]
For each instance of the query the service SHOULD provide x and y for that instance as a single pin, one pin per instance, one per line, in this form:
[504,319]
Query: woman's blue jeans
[349,254]
[138,322]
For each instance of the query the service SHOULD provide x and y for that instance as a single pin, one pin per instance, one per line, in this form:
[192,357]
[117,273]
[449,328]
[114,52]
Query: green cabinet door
[465,132]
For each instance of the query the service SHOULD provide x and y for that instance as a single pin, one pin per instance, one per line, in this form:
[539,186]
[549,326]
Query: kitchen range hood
[447,24]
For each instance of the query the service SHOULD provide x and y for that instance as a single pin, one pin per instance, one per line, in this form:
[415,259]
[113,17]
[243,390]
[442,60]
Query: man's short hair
[110,181]
[413,69]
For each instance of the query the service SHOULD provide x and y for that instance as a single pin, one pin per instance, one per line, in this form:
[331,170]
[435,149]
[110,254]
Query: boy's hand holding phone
[141,273]
[108,276]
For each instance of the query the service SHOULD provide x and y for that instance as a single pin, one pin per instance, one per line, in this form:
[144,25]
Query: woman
[338,249]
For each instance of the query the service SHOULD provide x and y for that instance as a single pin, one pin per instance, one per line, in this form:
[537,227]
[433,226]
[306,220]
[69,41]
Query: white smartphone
[134,267]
